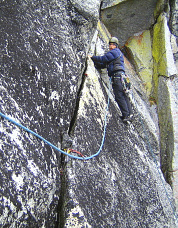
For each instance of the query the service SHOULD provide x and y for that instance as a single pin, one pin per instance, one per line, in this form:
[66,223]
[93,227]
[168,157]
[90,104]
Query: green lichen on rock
[164,64]
[103,31]
[166,128]
[140,47]
[159,47]
[160,7]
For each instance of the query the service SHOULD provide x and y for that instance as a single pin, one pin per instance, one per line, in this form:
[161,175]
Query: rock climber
[114,61]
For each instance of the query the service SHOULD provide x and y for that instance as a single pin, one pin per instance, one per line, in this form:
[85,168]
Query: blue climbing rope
[56,148]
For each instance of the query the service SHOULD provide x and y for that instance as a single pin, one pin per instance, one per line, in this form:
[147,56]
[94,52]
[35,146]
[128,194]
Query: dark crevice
[171,19]
[66,141]
[62,197]
[74,118]
[100,16]
[63,180]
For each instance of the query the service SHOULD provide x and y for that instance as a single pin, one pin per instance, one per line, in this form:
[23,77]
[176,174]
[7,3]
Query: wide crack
[74,118]
[66,141]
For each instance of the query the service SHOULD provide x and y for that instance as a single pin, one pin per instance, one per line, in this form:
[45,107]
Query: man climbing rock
[114,61]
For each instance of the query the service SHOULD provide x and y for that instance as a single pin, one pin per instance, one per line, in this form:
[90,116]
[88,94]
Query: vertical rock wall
[165,78]
[43,46]
[139,49]
[152,48]
[43,85]
[123,186]
[137,15]
[165,81]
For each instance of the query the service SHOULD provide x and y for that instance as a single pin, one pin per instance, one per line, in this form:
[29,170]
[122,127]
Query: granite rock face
[104,192]
[174,29]
[137,15]
[139,51]
[153,52]
[48,84]
[43,50]
[165,79]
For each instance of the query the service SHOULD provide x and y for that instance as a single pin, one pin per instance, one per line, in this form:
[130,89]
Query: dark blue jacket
[113,60]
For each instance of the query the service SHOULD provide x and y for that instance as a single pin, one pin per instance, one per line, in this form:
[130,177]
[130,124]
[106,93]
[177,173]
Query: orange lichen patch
[139,39]
[128,41]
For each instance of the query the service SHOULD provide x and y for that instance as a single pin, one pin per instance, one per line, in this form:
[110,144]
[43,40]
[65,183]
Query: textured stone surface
[104,192]
[88,8]
[162,51]
[173,85]
[174,16]
[168,122]
[166,94]
[174,29]
[137,15]
[109,3]
[44,45]
[161,6]
[139,49]
[174,98]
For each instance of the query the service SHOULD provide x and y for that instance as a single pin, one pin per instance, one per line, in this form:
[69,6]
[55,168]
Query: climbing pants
[121,97]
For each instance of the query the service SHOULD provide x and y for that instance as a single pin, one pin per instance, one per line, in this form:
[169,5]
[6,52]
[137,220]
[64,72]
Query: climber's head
[113,43]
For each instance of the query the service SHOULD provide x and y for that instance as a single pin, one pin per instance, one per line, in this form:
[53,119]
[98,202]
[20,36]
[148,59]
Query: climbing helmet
[114,40]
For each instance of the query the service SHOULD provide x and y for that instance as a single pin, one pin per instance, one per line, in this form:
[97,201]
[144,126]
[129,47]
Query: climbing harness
[70,150]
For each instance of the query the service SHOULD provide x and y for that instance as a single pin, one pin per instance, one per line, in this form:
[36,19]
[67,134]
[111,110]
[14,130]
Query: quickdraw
[74,151]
